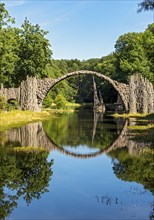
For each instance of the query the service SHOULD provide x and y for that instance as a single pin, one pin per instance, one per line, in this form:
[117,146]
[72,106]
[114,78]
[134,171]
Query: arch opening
[120,88]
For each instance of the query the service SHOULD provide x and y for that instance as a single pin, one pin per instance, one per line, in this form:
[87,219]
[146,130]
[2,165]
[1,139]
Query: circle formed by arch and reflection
[64,147]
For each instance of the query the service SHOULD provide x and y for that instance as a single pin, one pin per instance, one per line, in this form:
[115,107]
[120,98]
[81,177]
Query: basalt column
[29,95]
[141,95]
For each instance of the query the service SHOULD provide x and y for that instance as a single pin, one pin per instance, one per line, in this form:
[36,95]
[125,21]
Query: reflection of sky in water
[88,189]
[84,188]
[81,149]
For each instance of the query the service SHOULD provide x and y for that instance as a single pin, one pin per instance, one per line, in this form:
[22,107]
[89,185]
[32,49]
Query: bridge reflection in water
[31,174]
[34,135]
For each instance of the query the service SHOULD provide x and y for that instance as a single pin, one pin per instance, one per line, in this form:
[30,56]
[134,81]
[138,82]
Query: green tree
[134,168]
[68,87]
[60,101]
[9,51]
[107,65]
[5,18]
[148,45]
[89,64]
[146,5]
[131,57]
[47,101]
[8,46]
[23,51]
[25,175]
[34,51]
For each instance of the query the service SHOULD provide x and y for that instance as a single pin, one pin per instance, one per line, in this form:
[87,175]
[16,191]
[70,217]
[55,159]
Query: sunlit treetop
[5,18]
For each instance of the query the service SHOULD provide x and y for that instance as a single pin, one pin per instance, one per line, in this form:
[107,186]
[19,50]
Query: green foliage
[9,51]
[26,51]
[136,169]
[34,52]
[8,47]
[77,129]
[143,132]
[67,88]
[89,64]
[5,18]
[107,65]
[134,54]
[18,118]
[22,174]
[23,51]
[131,57]
[12,105]
[2,103]
[60,101]
[146,5]
[47,102]
[29,149]
[148,45]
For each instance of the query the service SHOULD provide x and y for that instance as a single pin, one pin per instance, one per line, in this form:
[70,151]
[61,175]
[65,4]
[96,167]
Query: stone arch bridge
[34,135]
[137,96]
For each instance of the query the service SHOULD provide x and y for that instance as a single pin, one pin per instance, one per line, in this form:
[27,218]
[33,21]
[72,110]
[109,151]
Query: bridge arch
[25,137]
[137,96]
[121,88]
[120,142]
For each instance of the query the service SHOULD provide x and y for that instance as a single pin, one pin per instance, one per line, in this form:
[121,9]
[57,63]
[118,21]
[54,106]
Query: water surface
[92,170]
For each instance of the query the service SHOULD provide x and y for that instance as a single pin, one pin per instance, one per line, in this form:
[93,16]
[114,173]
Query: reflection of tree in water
[151,216]
[135,169]
[144,135]
[22,174]
[78,128]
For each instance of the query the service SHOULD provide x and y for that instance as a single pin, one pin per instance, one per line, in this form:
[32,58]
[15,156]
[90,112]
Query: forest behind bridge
[27,51]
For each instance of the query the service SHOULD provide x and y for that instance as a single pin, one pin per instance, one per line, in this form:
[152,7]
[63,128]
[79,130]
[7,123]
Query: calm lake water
[92,170]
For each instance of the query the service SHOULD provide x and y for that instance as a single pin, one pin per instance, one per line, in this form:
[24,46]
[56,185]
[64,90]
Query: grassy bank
[70,105]
[29,149]
[17,118]
[143,129]
[147,116]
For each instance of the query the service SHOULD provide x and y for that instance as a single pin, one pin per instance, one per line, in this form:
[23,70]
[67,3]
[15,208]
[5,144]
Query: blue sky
[81,29]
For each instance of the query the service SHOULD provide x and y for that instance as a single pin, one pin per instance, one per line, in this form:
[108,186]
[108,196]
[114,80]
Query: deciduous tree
[146,5]
[34,51]
[131,57]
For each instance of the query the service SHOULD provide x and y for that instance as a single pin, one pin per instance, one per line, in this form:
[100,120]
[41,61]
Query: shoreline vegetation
[29,149]
[148,116]
[143,128]
[17,118]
